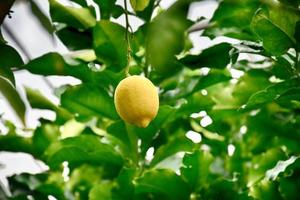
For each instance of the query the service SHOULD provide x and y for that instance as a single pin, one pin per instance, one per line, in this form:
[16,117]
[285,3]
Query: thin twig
[199,26]
[127,37]
[156,4]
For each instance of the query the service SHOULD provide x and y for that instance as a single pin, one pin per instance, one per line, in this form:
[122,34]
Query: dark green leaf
[75,39]
[163,182]
[81,2]
[9,57]
[107,7]
[217,56]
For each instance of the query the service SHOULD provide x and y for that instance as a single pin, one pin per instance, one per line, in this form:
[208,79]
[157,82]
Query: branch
[199,26]
[127,37]
[5,6]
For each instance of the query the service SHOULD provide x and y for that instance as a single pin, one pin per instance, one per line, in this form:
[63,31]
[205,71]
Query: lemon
[136,100]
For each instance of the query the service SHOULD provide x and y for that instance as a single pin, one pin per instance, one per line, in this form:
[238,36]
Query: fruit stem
[127,38]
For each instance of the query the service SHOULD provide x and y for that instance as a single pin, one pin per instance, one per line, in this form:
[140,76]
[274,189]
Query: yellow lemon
[136,100]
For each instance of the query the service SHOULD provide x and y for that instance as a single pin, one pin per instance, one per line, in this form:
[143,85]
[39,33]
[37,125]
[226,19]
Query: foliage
[249,125]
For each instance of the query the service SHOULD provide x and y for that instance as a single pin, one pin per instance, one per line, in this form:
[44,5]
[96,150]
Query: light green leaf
[101,192]
[139,5]
[217,56]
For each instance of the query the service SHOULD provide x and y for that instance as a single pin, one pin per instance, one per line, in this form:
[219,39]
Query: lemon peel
[136,100]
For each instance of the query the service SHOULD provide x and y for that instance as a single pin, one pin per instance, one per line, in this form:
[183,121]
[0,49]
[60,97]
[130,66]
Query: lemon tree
[152,117]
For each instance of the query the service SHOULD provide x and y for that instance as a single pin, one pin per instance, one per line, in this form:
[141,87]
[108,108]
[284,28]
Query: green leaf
[163,182]
[15,143]
[274,92]
[224,189]
[217,56]
[262,163]
[55,64]
[166,38]
[233,18]
[110,45]
[139,5]
[125,187]
[101,192]
[214,77]
[38,186]
[44,136]
[81,2]
[89,100]
[147,135]
[81,18]
[173,146]
[266,190]
[84,149]
[9,58]
[107,7]
[146,13]
[274,39]
[37,100]
[75,39]
[129,139]
[13,98]
[196,168]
